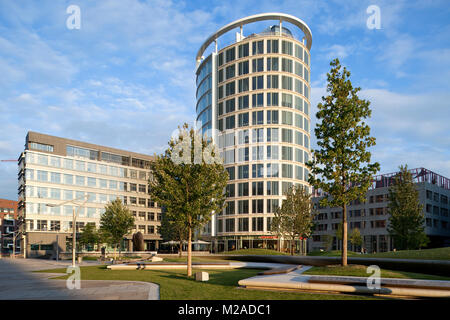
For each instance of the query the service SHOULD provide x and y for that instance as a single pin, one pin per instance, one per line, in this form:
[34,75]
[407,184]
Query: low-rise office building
[372,217]
[8,222]
[54,172]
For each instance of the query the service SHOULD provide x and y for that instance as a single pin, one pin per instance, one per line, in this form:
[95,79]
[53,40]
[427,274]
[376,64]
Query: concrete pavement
[17,281]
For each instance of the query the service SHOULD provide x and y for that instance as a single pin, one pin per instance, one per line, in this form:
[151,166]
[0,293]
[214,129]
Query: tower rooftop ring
[255,18]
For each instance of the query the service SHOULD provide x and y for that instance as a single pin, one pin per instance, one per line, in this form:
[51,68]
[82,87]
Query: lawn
[255,252]
[222,285]
[423,254]
[360,271]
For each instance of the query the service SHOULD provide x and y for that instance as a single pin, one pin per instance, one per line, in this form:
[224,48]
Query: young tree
[115,223]
[406,221]
[328,240]
[189,181]
[341,166]
[339,234]
[294,218]
[172,229]
[89,236]
[355,237]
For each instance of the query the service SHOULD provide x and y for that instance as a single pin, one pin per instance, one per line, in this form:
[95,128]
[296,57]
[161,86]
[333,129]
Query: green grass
[196,259]
[222,284]
[334,253]
[360,271]
[255,252]
[423,254]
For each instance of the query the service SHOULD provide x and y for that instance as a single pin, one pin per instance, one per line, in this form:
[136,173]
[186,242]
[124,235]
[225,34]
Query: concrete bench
[280,270]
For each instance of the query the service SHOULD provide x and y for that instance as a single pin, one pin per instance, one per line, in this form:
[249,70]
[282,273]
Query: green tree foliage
[406,221]
[294,219]
[341,166]
[355,237]
[115,223]
[328,240]
[89,236]
[172,229]
[189,181]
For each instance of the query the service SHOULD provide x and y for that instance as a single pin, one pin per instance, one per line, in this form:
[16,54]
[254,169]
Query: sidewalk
[17,281]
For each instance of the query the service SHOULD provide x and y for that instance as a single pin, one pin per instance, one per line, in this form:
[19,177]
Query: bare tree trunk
[344,236]
[180,253]
[292,246]
[189,253]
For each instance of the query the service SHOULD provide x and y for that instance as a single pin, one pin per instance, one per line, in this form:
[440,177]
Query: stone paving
[17,281]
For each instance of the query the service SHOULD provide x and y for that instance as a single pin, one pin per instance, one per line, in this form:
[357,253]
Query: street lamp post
[74,221]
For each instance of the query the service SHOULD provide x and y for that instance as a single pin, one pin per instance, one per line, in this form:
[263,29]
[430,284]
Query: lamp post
[74,221]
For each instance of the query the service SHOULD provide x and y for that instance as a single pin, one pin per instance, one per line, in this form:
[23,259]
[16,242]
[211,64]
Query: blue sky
[126,78]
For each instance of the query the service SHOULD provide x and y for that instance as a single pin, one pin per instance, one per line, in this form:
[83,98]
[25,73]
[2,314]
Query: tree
[115,223]
[189,181]
[406,221]
[294,218]
[355,237]
[138,241]
[341,166]
[172,229]
[89,236]
[328,240]
[339,232]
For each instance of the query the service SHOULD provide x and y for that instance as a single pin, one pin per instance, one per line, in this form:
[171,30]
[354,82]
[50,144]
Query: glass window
[286,153]
[92,182]
[243,172]
[68,179]
[243,86]
[258,47]
[243,67]
[286,82]
[286,117]
[230,54]
[42,175]
[258,82]
[272,81]
[55,162]
[243,137]
[229,122]
[272,172]
[286,47]
[91,167]
[257,100]
[243,119]
[80,181]
[42,159]
[243,50]
[243,189]
[103,183]
[286,171]
[243,101]
[258,65]
[257,117]
[286,65]
[229,105]
[272,46]
[286,100]
[272,64]
[272,117]
[272,152]
[299,155]
[230,71]
[258,170]
[258,153]
[243,206]
[55,177]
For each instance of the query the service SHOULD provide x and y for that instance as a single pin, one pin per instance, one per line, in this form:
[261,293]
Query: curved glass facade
[262,116]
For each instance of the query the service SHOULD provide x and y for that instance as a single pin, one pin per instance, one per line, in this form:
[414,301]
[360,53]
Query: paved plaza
[17,281]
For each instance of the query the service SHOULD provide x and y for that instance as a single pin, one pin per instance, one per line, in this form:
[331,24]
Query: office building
[8,223]
[372,217]
[55,171]
[253,102]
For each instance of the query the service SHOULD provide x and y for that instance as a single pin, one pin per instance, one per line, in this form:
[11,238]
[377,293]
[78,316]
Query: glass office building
[253,102]
[54,171]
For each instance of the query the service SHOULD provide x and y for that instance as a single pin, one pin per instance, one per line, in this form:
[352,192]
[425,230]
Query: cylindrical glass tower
[253,101]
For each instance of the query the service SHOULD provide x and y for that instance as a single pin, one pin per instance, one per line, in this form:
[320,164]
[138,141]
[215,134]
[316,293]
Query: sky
[126,77]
